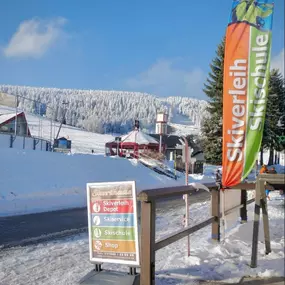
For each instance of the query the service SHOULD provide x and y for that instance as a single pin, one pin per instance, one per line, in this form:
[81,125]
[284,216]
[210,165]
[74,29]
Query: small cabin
[62,145]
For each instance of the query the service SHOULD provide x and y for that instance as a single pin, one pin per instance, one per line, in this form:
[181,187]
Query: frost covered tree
[111,111]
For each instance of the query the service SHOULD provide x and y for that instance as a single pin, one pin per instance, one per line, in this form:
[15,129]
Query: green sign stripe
[113,233]
[258,79]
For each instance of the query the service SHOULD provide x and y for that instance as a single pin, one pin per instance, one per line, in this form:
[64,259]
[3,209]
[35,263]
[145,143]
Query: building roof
[7,117]
[172,141]
[138,137]
[62,139]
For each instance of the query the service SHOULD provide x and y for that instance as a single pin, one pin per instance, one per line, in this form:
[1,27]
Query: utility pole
[16,115]
[51,128]
[186,196]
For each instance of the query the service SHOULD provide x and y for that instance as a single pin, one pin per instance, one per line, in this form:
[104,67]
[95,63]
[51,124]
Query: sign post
[113,230]
[118,140]
[186,196]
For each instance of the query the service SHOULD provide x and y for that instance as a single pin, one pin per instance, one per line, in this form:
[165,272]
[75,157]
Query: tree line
[103,111]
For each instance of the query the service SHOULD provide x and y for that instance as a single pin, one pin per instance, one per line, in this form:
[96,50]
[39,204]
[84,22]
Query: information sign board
[112,222]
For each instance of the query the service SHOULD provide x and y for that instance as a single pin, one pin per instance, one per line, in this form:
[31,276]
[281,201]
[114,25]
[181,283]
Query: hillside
[82,141]
[106,111]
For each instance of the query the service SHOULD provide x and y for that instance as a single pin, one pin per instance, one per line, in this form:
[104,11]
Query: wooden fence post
[243,210]
[265,219]
[255,225]
[147,276]
[216,213]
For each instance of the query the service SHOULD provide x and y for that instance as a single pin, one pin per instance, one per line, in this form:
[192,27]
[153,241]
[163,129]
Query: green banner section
[258,79]
[113,233]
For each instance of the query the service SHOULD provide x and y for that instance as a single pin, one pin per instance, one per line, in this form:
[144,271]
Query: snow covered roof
[138,137]
[6,117]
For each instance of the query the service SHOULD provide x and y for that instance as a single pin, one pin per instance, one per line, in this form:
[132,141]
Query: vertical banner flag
[246,76]
[112,222]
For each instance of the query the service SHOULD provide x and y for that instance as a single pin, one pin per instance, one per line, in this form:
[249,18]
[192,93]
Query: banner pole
[223,214]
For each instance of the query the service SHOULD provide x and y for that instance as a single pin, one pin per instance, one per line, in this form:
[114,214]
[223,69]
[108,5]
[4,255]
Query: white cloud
[278,61]
[164,78]
[34,37]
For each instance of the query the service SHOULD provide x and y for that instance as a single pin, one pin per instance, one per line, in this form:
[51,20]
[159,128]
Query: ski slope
[82,141]
[38,181]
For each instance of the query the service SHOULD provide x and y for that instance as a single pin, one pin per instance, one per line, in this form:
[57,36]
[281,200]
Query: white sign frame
[134,198]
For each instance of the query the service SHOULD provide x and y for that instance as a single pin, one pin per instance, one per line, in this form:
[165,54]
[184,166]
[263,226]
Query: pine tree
[274,115]
[212,130]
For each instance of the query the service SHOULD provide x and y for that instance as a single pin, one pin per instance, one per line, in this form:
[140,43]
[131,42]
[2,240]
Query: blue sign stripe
[113,220]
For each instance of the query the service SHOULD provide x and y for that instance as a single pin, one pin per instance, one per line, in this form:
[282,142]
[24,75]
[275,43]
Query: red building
[132,144]
[8,124]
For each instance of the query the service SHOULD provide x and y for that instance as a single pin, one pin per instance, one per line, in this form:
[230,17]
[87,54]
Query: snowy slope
[82,141]
[37,181]
[67,261]
[44,181]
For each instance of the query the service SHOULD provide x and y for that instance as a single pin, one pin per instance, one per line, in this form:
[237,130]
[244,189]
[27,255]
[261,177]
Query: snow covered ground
[82,141]
[37,181]
[67,261]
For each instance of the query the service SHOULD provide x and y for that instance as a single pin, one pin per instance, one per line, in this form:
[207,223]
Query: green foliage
[212,131]
[212,125]
[274,126]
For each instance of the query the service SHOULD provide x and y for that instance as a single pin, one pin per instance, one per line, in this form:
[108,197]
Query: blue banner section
[113,220]
[257,13]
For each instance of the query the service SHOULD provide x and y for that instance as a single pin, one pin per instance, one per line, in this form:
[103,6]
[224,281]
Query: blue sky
[162,47]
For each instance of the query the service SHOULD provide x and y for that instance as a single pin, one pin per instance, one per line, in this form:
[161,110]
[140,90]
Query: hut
[132,144]
[62,145]
[8,123]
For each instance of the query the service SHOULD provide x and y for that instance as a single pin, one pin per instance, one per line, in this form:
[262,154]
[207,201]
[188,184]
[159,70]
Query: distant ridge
[104,111]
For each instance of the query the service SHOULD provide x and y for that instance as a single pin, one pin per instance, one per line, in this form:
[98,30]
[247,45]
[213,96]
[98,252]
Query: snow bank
[33,181]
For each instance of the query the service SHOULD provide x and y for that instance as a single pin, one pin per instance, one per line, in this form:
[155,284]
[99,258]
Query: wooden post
[147,276]
[265,219]
[216,213]
[255,225]
[243,210]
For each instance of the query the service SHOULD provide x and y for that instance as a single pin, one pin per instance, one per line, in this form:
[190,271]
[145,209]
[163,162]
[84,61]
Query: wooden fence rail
[148,200]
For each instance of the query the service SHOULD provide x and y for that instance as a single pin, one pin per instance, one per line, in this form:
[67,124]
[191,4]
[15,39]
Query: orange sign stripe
[114,246]
[237,48]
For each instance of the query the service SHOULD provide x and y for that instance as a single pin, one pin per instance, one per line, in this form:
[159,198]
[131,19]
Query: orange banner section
[235,101]
[114,246]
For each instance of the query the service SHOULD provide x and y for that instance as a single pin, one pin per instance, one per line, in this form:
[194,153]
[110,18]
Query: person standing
[263,169]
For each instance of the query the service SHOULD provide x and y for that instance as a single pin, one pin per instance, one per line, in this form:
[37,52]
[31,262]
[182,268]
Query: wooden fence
[148,200]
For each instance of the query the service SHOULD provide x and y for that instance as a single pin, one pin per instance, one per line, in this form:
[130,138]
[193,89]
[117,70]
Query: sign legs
[260,202]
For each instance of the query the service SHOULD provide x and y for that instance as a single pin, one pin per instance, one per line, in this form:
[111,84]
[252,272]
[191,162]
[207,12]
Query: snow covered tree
[115,111]
[212,124]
